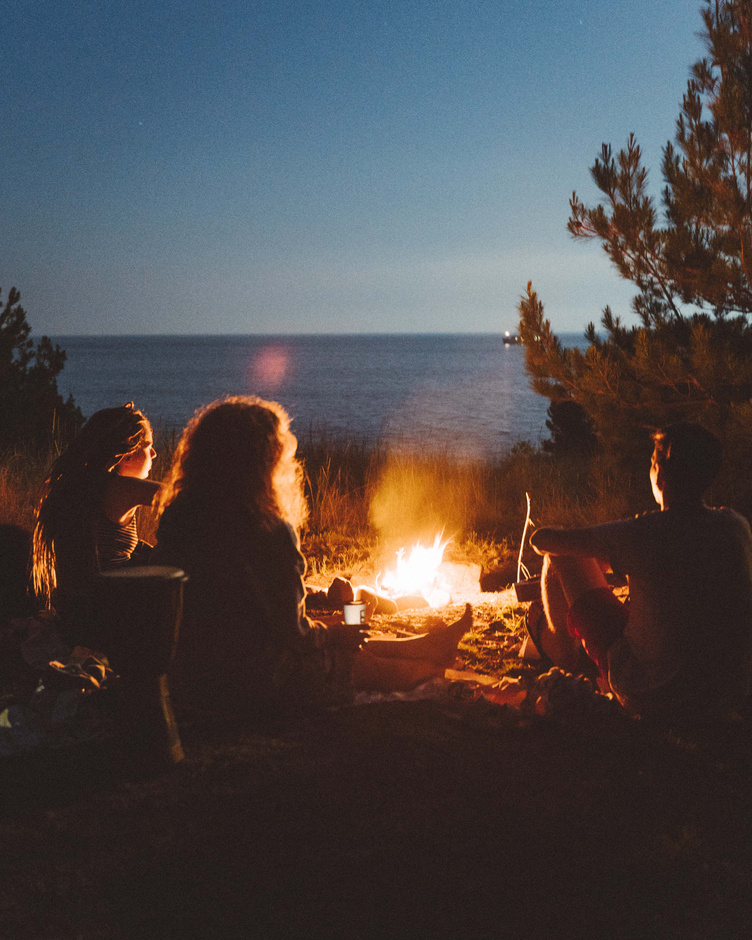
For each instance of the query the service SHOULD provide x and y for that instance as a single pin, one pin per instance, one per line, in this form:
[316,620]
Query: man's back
[690,622]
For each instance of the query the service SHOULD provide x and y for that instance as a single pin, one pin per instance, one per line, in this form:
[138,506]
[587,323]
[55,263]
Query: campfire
[417,575]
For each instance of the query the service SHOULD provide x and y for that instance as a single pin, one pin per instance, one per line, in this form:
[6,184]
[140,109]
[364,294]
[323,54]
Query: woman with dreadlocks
[86,518]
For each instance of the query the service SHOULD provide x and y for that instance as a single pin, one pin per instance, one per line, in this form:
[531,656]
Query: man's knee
[577,576]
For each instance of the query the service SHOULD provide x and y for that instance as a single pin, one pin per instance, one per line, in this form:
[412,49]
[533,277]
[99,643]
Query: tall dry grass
[369,494]
[22,473]
[363,496]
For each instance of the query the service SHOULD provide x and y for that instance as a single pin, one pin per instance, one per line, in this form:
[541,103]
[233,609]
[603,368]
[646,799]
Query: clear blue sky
[272,166]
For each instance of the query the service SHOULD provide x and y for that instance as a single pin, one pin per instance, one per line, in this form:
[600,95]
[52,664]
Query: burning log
[411,602]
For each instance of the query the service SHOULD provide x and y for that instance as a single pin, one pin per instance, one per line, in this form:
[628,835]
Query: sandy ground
[440,817]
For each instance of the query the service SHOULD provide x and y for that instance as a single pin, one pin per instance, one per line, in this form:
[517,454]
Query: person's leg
[439,644]
[563,581]
[577,576]
[396,665]
[385,674]
[582,612]
[553,639]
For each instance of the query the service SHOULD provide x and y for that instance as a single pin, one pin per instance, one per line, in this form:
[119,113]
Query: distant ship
[512,339]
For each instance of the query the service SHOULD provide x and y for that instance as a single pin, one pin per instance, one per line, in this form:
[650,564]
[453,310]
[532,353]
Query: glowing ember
[417,574]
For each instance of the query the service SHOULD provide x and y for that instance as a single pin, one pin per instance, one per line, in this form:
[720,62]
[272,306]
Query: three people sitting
[230,514]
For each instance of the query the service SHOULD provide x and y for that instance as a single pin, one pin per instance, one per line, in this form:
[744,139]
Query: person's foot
[447,637]
[465,621]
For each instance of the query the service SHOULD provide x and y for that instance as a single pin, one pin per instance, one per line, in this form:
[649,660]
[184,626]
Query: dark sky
[237,166]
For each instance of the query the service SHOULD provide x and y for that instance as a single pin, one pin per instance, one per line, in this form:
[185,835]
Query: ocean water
[466,393]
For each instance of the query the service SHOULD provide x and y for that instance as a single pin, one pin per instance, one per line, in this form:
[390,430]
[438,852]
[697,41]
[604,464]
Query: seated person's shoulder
[122,494]
[730,514]
[734,520]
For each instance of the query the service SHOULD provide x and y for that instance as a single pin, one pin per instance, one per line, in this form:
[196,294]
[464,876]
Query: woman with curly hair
[86,518]
[230,513]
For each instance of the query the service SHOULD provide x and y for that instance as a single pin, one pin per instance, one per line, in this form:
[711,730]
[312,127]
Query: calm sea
[468,393]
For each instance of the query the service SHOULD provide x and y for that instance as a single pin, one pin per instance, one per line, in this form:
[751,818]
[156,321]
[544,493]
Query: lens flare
[269,367]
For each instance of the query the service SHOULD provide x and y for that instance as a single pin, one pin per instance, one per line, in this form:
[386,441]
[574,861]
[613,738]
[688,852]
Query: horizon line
[498,333]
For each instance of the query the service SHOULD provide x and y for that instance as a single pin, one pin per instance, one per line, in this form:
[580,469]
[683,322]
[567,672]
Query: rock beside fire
[340,592]
[500,577]
[459,580]
[505,574]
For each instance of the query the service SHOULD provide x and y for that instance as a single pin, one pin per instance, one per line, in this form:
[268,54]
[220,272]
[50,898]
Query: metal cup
[355,612]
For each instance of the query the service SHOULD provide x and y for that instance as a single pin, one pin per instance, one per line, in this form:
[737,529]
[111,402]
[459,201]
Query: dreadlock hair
[72,493]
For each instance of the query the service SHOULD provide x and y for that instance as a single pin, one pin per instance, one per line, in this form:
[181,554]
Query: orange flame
[417,574]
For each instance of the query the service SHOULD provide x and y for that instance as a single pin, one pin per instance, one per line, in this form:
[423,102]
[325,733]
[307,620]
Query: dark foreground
[410,819]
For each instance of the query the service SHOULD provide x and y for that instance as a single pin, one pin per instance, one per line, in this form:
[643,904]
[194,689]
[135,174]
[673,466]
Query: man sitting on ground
[682,643]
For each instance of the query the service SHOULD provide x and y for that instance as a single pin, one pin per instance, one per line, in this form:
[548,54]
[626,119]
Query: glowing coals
[418,574]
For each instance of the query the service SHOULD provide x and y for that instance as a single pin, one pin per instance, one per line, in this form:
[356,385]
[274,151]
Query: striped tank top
[115,542]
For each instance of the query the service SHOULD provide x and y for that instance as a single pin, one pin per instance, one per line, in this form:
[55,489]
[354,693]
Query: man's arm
[578,543]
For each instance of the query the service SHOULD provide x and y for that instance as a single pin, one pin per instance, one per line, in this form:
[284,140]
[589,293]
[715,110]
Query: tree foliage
[571,430]
[690,356]
[32,410]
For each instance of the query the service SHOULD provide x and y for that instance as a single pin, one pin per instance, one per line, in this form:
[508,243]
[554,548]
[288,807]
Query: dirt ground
[441,817]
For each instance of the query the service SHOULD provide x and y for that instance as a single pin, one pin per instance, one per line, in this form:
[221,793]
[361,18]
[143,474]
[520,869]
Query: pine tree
[690,357]
[32,410]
